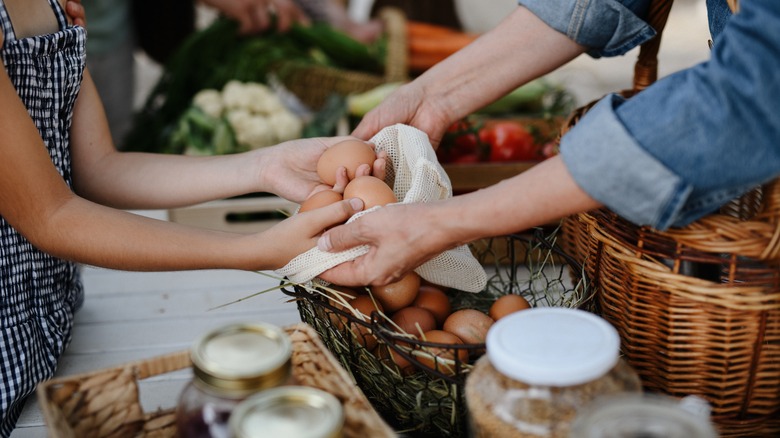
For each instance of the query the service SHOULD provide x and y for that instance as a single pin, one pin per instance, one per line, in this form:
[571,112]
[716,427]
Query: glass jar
[289,412]
[647,416]
[543,365]
[229,364]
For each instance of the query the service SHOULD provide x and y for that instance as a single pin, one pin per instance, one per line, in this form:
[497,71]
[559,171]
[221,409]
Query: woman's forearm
[539,196]
[487,69]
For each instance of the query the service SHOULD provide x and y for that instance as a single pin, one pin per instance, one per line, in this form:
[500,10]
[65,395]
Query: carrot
[416,29]
[419,62]
[443,44]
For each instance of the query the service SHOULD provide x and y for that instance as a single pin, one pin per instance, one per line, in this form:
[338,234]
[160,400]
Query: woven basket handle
[646,67]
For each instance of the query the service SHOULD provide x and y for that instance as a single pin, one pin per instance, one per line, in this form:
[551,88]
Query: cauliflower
[255,114]
[234,95]
[286,125]
[253,131]
[209,101]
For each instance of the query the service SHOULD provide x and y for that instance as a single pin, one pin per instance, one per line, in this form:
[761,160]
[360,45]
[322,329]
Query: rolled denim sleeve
[606,27]
[693,140]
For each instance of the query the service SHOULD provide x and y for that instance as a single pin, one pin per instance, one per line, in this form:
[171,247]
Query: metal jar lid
[242,357]
[290,412]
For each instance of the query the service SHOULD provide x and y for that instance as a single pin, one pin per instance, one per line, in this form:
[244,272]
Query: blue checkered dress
[38,293]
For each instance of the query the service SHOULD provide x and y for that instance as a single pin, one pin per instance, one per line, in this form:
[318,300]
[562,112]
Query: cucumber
[528,97]
[343,49]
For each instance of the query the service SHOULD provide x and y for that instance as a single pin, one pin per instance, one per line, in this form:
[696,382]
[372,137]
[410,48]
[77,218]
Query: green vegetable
[525,98]
[326,120]
[360,104]
[217,54]
[340,47]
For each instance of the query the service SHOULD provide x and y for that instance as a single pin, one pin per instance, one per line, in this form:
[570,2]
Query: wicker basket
[697,307]
[429,402]
[314,83]
[106,403]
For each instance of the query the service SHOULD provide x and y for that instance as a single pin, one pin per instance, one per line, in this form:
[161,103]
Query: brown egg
[414,320]
[347,295]
[436,301]
[364,305]
[470,325]
[372,190]
[441,359]
[320,199]
[395,296]
[387,354]
[508,304]
[350,154]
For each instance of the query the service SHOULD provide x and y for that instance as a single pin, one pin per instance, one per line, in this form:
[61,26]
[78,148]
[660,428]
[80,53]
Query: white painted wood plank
[104,282]
[29,432]
[165,305]
[176,332]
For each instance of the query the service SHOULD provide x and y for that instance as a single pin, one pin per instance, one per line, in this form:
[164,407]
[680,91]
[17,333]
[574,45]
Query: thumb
[339,238]
[335,214]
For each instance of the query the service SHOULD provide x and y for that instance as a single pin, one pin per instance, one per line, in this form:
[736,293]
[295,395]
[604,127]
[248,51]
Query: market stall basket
[697,307]
[106,403]
[314,83]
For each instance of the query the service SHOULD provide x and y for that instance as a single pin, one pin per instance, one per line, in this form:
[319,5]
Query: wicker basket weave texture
[106,403]
[697,307]
[314,83]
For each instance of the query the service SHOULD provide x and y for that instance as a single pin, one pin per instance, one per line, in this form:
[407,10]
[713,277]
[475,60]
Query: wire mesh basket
[416,385]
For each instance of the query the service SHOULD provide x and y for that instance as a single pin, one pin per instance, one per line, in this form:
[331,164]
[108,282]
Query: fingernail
[356,203]
[323,243]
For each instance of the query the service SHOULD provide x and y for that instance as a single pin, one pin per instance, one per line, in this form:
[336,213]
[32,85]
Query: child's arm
[35,200]
[141,180]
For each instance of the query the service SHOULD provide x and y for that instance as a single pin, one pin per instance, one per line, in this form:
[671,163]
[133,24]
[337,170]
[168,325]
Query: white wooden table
[131,316]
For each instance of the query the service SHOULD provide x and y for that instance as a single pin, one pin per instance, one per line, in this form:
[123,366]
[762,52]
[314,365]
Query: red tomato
[509,141]
[456,145]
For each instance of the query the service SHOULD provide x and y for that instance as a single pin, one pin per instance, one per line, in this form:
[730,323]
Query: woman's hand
[410,105]
[400,238]
[257,15]
[75,11]
[290,169]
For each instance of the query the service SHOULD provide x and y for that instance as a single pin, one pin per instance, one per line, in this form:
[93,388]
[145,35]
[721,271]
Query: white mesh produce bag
[416,176]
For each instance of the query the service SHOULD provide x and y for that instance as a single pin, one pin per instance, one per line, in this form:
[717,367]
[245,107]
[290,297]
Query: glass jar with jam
[541,367]
[289,412]
[230,364]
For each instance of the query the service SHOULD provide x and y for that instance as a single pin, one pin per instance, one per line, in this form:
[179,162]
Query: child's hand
[290,169]
[75,11]
[299,233]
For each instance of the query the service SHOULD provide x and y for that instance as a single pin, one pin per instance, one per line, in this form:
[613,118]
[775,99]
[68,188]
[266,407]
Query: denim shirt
[695,139]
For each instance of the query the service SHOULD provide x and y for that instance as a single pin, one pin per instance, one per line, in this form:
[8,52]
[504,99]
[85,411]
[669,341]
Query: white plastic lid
[553,346]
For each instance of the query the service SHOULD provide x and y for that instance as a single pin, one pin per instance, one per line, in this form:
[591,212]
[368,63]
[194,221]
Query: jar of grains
[289,412]
[230,364]
[542,366]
